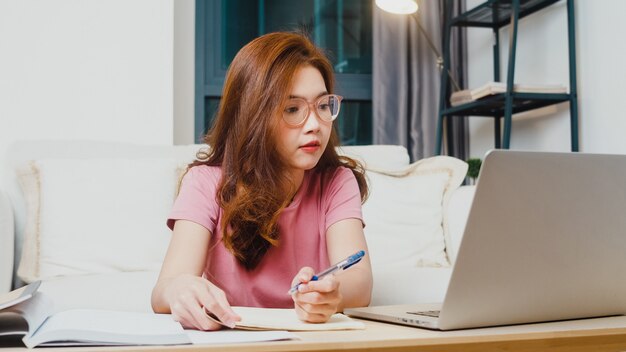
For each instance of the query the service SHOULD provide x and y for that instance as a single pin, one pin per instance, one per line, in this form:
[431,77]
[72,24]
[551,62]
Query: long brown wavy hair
[255,185]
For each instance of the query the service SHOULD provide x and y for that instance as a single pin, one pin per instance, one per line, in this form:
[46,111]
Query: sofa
[87,218]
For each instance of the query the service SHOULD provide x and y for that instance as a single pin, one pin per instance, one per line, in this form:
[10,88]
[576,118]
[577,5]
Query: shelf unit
[496,14]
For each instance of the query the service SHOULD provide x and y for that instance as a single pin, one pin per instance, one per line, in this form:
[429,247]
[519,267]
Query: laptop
[545,240]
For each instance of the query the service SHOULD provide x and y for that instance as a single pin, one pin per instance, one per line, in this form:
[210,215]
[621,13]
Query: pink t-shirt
[321,201]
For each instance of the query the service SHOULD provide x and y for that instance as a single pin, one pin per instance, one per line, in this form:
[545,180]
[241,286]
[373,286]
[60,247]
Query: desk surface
[602,334]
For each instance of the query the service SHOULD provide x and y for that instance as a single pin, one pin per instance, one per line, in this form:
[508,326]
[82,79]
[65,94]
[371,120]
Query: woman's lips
[311,147]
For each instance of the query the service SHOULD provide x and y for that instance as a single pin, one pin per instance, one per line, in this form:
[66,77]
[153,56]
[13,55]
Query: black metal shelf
[497,13]
[494,105]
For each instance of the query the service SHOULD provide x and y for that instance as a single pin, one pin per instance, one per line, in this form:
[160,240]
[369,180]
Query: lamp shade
[401,7]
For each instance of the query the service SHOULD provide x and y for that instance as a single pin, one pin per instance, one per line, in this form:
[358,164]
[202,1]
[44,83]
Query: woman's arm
[343,239]
[316,301]
[181,290]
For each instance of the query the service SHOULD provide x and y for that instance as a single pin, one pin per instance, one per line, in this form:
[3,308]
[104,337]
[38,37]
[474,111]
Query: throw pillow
[87,216]
[377,156]
[404,213]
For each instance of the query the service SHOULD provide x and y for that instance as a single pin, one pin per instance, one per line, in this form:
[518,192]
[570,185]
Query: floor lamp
[409,7]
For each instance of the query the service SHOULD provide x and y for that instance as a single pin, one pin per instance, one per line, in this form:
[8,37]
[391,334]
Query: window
[342,27]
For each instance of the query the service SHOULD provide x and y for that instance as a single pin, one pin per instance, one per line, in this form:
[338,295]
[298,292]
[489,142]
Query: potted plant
[473,169]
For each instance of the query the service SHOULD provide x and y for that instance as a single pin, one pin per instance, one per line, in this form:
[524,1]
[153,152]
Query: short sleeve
[342,197]
[196,200]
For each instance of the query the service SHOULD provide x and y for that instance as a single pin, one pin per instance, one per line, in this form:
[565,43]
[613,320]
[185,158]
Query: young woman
[271,203]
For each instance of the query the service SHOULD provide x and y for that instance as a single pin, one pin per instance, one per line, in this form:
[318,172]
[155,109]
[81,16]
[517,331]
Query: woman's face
[302,146]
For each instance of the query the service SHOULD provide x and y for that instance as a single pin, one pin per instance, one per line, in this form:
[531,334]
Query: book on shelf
[29,313]
[491,88]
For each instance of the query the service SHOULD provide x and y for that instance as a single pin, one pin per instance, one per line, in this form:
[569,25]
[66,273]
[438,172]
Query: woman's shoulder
[335,176]
[340,172]
[203,174]
[204,169]
[336,185]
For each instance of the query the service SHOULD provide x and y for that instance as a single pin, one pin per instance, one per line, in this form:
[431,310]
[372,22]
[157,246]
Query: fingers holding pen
[303,276]
[318,300]
[315,301]
[327,285]
[301,279]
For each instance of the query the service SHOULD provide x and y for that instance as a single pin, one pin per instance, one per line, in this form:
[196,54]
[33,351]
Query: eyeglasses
[326,107]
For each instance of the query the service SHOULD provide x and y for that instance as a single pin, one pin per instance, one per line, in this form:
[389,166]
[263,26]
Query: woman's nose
[312,122]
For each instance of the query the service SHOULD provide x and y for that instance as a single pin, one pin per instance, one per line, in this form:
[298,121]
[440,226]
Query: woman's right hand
[181,290]
[189,295]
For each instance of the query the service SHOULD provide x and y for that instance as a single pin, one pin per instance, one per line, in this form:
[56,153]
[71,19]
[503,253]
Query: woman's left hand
[315,301]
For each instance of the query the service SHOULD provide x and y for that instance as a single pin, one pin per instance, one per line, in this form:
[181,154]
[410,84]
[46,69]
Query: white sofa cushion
[6,243]
[409,285]
[21,153]
[127,291]
[404,213]
[455,216]
[89,216]
[384,157]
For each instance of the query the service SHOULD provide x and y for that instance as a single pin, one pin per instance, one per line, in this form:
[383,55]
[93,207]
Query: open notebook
[29,313]
[286,319]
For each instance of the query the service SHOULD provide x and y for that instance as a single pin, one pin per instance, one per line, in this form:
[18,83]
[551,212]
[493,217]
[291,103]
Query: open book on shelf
[491,88]
[29,313]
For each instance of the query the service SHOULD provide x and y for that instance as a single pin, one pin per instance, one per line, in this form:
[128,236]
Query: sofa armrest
[7,236]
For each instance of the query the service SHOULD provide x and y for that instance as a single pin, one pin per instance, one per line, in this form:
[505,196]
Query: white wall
[91,69]
[184,72]
[542,58]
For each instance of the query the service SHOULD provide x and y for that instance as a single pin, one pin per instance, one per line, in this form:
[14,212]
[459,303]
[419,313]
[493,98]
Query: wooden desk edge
[609,340]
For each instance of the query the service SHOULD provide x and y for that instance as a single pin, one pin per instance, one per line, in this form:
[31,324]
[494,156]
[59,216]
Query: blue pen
[342,265]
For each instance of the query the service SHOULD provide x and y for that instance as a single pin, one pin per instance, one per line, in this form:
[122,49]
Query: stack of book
[491,88]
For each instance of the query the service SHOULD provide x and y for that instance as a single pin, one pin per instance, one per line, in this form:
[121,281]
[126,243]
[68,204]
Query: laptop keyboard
[428,313]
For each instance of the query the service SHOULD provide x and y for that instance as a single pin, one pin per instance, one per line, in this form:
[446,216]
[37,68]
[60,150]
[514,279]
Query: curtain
[406,81]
